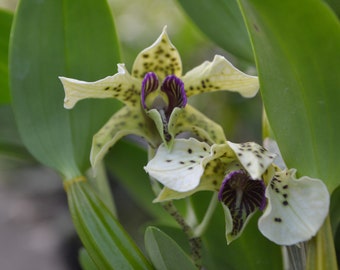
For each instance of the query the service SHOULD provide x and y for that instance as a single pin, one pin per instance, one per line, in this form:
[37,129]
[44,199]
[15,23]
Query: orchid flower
[155,97]
[247,180]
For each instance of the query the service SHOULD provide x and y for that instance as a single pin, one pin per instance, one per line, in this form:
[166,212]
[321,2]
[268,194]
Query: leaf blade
[5,28]
[298,80]
[164,251]
[44,46]
[107,243]
[225,15]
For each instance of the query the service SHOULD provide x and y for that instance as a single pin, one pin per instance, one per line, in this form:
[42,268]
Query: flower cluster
[246,180]
[156,108]
[155,97]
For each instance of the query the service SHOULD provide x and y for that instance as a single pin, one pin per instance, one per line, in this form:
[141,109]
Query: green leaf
[164,252]
[296,44]
[11,148]
[334,211]
[5,28]
[335,5]
[85,260]
[72,38]
[108,245]
[222,22]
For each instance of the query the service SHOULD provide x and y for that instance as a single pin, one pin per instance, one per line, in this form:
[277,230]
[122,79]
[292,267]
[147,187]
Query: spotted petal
[217,75]
[126,121]
[121,86]
[181,168]
[253,157]
[191,120]
[161,57]
[296,208]
[211,181]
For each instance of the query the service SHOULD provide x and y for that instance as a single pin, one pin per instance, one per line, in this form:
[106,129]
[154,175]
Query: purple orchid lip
[253,190]
[150,83]
[174,89]
[172,86]
[242,196]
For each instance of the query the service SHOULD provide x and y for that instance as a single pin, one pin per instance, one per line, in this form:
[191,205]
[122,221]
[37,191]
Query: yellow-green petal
[218,75]
[121,86]
[191,120]
[124,122]
[161,58]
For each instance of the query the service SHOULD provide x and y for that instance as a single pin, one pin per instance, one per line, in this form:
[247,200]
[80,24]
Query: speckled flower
[193,165]
[247,181]
[155,97]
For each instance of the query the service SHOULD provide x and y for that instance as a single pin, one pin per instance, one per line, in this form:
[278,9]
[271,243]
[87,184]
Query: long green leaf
[222,22]
[11,147]
[334,211]
[297,48]
[5,28]
[85,260]
[72,38]
[108,245]
[164,251]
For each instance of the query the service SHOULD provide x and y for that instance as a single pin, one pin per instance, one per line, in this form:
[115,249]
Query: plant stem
[101,184]
[295,257]
[194,242]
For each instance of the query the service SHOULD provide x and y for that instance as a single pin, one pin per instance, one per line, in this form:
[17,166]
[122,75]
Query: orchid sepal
[125,122]
[121,86]
[218,75]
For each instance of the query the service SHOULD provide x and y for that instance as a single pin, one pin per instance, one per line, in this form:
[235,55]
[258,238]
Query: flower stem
[194,242]
[295,257]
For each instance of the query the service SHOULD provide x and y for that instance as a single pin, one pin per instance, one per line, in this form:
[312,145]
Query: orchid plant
[268,204]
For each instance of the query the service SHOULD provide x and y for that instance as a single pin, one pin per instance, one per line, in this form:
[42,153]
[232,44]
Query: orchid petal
[162,126]
[296,208]
[273,147]
[253,157]
[126,121]
[181,168]
[161,57]
[217,75]
[121,86]
[174,89]
[191,120]
[149,85]
[211,180]
[241,197]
